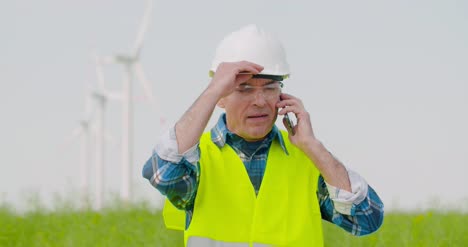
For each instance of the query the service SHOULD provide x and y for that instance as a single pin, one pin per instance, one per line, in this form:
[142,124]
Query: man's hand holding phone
[300,134]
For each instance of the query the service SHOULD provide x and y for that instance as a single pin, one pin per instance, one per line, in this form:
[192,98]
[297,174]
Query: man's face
[251,111]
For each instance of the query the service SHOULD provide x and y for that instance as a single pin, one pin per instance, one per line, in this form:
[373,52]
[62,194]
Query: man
[245,182]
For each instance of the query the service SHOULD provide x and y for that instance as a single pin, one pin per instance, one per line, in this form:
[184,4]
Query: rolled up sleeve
[359,212]
[174,175]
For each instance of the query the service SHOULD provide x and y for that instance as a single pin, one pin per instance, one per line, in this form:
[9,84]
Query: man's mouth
[257,116]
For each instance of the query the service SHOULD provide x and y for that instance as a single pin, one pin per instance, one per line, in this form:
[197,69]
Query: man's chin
[257,134]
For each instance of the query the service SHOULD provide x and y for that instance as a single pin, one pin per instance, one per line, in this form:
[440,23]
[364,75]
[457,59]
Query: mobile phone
[289,123]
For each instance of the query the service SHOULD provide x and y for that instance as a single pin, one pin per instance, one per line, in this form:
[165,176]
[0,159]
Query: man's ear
[220,103]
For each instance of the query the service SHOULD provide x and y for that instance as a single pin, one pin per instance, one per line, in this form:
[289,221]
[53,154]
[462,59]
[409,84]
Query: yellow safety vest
[227,212]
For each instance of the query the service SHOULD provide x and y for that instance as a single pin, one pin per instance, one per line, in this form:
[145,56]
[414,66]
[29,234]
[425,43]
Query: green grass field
[139,225]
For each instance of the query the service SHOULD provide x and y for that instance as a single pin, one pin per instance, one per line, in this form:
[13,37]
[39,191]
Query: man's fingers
[294,109]
[245,67]
[252,67]
[245,71]
[285,103]
[241,78]
[289,102]
[237,68]
[285,96]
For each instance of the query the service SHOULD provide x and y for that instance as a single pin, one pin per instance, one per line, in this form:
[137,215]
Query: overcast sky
[385,82]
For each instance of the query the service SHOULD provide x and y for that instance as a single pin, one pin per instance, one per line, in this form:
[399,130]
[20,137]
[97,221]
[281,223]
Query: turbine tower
[91,128]
[100,98]
[84,131]
[132,66]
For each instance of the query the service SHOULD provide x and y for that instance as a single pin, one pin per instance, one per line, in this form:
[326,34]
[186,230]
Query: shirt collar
[220,132]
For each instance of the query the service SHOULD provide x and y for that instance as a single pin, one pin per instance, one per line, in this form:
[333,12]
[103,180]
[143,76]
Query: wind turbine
[132,66]
[101,100]
[101,97]
[92,127]
[84,161]
[83,130]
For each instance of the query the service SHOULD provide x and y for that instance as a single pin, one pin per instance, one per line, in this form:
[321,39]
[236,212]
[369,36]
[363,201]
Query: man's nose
[259,98]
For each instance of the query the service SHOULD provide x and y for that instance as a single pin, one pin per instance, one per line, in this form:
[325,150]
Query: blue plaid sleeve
[177,181]
[366,217]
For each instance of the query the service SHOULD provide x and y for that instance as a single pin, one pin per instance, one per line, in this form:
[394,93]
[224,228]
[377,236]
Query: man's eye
[247,89]
[242,89]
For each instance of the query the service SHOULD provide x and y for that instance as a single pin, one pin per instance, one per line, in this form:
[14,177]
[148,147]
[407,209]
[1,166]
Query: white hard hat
[253,44]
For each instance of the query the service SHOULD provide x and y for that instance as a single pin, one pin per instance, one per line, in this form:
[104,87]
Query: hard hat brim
[263,76]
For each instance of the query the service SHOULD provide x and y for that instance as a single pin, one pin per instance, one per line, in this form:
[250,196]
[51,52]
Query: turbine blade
[100,74]
[148,91]
[142,29]
[75,133]
[88,101]
[145,83]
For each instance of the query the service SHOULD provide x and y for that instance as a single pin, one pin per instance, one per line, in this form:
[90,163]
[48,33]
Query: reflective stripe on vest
[227,212]
[206,242]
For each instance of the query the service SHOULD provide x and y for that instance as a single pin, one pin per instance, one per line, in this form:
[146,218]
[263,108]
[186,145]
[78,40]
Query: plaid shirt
[177,178]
